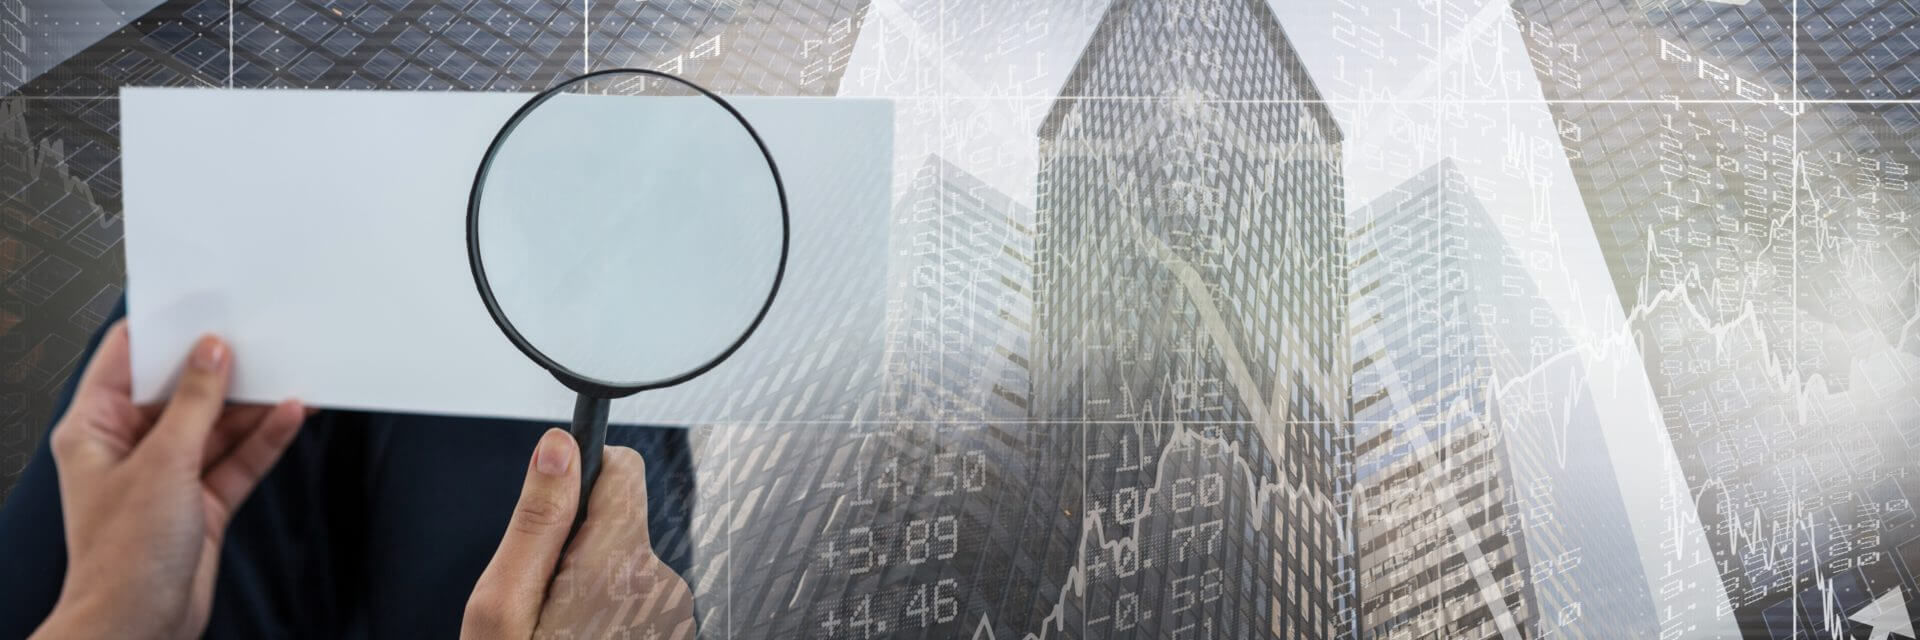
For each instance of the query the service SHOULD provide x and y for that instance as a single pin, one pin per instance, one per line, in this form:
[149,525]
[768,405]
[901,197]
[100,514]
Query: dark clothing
[372,525]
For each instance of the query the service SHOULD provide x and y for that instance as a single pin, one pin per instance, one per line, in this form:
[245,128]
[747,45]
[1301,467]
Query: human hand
[609,584]
[146,492]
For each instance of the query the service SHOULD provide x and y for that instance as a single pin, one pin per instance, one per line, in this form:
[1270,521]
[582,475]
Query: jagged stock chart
[1213,318]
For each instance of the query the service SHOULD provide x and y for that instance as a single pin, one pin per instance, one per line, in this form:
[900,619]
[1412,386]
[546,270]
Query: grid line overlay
[296,44]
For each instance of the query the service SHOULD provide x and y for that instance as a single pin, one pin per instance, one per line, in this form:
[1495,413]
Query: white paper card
[322,233]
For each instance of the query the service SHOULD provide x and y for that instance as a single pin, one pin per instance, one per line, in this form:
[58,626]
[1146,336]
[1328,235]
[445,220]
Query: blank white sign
[322,233]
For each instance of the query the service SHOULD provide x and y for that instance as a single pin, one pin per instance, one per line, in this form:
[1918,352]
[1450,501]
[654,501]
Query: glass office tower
[1191,322]
[936,509]
[1440,546]
[1486,498]
[960,324]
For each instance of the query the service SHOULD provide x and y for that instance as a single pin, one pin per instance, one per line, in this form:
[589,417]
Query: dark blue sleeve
[33,544]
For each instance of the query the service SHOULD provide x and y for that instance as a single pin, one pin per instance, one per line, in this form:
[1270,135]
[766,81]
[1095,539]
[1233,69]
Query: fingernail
[297,408]
[554,455]
[283,429]
[209,353]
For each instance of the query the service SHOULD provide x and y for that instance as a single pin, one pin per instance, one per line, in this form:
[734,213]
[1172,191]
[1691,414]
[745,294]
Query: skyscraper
[1439,543]
[1760,247]
[14,53]
[1191,322]
[1486,502]
[938,510]
[961,322]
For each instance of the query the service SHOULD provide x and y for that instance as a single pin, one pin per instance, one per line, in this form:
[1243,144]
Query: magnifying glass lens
[630,229]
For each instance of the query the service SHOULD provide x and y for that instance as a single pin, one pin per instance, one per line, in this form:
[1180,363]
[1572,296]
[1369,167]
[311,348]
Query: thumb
[506,601]
[181,432]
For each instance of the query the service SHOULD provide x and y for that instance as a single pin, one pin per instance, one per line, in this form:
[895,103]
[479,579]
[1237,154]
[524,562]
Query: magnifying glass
[627,230]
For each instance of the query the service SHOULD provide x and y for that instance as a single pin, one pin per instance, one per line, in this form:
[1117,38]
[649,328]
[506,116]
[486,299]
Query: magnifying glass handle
[590,430]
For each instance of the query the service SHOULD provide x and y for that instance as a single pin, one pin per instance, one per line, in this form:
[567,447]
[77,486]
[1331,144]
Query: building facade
[960,324]
[938,509]
[1191,321]
[1439,542]
[1486,501]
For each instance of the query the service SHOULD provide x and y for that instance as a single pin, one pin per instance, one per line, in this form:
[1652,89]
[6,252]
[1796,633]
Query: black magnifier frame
[589,426]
